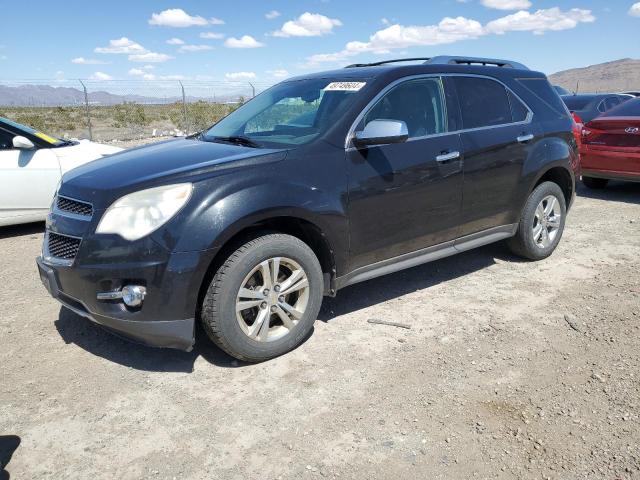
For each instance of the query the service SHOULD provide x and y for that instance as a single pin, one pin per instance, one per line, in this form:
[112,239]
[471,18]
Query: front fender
[220,210]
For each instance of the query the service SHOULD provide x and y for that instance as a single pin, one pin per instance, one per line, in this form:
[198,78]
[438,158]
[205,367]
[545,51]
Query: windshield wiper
[238,140]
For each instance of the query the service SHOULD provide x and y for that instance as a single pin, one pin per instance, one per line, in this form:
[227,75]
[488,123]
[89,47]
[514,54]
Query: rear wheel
[595,183]
[263,300]
[542,223]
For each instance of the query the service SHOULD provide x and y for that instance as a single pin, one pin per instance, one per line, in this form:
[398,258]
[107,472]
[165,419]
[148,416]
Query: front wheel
[542,223]
[264,299]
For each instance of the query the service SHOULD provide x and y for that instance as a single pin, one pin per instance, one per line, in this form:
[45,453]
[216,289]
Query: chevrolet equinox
[318,183]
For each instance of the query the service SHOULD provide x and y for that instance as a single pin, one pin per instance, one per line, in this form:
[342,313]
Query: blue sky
[265,41]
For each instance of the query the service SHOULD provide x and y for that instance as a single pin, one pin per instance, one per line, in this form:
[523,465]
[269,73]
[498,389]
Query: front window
[419,103]
[30,132]
[288,114]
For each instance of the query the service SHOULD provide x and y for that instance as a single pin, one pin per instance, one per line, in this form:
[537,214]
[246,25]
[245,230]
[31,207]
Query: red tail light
[577,118]
[578,125]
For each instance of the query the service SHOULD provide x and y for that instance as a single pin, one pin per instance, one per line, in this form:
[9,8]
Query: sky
[266,41]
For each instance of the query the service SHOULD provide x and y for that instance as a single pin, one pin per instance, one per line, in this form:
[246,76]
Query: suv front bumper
[166,318]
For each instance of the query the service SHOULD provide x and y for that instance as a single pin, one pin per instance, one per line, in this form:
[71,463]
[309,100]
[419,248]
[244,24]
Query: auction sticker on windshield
[344,86]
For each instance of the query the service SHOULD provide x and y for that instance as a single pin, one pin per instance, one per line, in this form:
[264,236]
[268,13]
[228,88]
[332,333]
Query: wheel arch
[561,176]
[295,225]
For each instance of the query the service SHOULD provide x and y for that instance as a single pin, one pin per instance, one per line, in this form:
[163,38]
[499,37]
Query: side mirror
[22,143]
[380,132]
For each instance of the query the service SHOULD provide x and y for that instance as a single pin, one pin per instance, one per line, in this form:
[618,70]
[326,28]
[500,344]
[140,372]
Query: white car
[31,165]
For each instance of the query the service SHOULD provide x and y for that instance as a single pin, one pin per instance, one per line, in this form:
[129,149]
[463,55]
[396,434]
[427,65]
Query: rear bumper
[613,164]
[132,324]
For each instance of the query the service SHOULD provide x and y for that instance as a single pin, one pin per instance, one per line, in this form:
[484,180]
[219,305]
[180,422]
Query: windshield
[56,142]
[290,113]
[630,108]
[577,103]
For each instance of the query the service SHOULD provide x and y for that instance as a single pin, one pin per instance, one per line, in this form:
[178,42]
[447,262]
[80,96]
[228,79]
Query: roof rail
[384,62]
[449,60]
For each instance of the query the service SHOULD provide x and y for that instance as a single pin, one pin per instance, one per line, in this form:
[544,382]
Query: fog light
[133,295]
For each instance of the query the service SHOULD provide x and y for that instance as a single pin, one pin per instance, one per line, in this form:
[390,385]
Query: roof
[396,70]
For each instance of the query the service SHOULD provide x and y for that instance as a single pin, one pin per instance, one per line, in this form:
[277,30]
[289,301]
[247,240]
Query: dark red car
[610,147]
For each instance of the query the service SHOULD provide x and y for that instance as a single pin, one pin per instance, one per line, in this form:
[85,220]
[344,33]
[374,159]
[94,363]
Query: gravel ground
[510,370]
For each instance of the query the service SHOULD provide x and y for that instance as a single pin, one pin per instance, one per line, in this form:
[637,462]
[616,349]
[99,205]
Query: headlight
[138,214]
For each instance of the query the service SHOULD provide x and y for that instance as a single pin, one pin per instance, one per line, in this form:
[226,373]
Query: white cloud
[240,76]
[194,48]
[541,21]
[122,45]
[87,61]
[246,41]
[100,76]
[507,4]
[216,21]
[176,17]
[281,73]
[59,76]
[212,35]
[150,57]
[308,25]
[272,14]
[634,11]
[136,72]
[175,41]
[451,30]
[149,67]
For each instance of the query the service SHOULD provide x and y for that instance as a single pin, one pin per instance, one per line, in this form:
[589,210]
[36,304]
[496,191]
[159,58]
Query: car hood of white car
[83,152]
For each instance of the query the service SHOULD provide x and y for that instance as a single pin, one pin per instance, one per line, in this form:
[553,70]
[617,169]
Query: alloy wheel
[272,299]
[546,221]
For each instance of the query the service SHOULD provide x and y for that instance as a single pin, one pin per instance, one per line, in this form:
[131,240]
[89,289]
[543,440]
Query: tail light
[578,126]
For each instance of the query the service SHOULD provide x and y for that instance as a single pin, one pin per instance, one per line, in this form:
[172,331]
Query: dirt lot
[510,370]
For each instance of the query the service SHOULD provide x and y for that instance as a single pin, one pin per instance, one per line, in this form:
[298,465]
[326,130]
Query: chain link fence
[121,111]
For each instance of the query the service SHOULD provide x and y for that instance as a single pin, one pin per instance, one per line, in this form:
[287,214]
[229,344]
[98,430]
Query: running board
[427,255]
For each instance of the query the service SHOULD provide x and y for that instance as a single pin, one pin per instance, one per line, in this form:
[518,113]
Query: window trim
[348,145]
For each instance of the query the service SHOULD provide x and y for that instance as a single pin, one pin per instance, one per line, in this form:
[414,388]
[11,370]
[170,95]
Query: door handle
[525,138]
[446,157]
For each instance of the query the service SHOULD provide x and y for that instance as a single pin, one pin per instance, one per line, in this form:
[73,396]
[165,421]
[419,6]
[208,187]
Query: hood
[82,152]
[172,161]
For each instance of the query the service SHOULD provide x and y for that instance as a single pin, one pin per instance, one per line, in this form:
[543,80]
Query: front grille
[61,246]
[74,206]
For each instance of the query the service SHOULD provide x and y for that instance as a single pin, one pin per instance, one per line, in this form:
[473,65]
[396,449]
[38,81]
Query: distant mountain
[48,96]
[616,76]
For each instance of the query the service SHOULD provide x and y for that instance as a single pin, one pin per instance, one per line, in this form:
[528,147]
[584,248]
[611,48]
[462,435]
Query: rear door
[406,196]
[496,138]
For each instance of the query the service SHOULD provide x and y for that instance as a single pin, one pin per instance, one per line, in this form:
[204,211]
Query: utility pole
[86,106]
[184,108]
[253,89]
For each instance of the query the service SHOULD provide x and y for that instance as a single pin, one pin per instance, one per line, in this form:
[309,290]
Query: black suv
[318,183]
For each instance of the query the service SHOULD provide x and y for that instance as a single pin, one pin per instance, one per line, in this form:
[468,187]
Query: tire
[595,183]
[239,334]
[530,241]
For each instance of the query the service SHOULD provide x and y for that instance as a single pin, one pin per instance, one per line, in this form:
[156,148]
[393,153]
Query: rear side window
[542,89]
[483,102]
[519,111]
[611,102]
[630,108]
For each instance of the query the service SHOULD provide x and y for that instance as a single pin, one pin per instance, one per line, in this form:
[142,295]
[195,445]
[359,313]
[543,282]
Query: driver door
[29,179]
[404,197]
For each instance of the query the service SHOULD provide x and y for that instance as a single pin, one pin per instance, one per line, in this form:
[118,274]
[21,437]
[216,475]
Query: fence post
[184,109]
[86,107]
